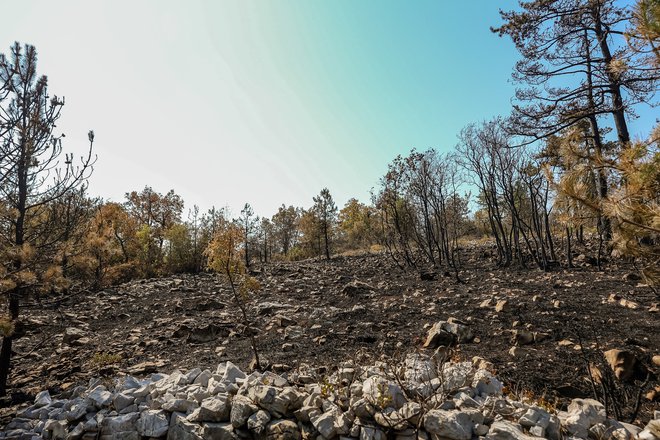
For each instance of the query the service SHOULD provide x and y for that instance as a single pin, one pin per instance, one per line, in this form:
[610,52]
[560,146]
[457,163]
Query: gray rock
[182,429]
[382,393]
[269,398]
[460,329]
[283,430]
[179,405]
[371,433]
[121,401]
[480,429]
[455,376]
[651,431]
[130,409]
[257,422]
[305,413]
[217,431]
[72,334]
[214,409]
[325,425]
[77,432]
[485,384]
[241,409]
[42,399]
[100,396]
[202,378]
[452,425]
[581,415]
[153,423]
[190,376]
[232,373]
[76,412]
[503,430]
[438,336]
[112,425]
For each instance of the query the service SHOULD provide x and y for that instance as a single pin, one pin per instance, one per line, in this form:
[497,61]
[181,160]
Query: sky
[264,102]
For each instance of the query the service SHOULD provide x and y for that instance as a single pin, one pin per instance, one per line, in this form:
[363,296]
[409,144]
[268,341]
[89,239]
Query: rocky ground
[538,330]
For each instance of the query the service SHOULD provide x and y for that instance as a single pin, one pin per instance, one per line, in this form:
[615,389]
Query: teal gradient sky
[265,102]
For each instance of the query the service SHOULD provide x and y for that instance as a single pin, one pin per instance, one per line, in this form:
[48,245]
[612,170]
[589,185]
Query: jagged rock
[455,376]
[123,423]
[212,409]
[454,425]
[462,331]
[121,401]
[503,430]
[269,398]
[77,432]
[651,431]
[179,405]
[257,422]
[153,423]
[42,399]
[182,429]
[72,334]
[581,415]
[325,424]
[283,430]
[371,433]
[500,305]
[382,393]
[76,412]
[485,384]
[241,409]
[419,369]
[56,428]
[218,431]
[444,333]
[465,402]
[356,288]
[231,373]
[100,396]
[623,363]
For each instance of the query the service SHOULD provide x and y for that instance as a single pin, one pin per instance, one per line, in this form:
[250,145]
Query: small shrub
[102,359]
[6,327]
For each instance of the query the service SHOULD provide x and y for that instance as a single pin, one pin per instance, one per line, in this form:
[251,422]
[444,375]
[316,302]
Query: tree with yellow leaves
[226,259]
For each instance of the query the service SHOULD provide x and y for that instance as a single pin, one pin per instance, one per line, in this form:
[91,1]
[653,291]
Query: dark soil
[314,313]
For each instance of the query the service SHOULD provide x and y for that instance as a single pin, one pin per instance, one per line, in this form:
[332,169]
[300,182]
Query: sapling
[224,258]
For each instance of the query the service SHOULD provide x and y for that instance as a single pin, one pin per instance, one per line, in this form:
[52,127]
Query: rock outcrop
[420,399]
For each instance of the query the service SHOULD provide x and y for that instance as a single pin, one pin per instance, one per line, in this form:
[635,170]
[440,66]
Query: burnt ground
[314,313]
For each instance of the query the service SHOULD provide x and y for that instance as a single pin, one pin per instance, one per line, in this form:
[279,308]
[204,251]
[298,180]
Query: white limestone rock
[153,423]
[454,425]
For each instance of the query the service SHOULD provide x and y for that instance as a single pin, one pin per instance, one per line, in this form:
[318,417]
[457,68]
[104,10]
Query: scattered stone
[446,333]
[522,337]
[500,305]
[623,363]
[146,367]
[356,288]
[72,334]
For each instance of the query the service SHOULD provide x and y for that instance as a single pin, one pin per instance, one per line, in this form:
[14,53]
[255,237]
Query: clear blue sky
[265,102]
